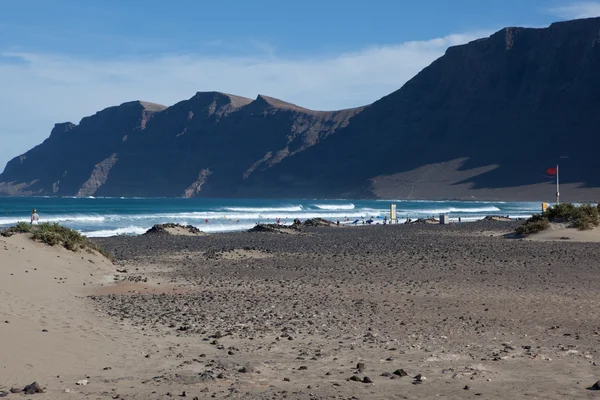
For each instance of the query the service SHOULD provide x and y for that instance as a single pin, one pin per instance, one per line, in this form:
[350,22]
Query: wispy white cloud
[40,89]
[582,9]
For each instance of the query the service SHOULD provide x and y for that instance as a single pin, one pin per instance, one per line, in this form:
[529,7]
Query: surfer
[34,217]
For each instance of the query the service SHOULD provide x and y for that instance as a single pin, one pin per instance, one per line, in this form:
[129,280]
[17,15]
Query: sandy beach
[326,313]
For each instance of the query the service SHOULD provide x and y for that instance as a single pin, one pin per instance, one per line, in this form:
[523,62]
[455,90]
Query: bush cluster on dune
[55,234]
[582,217]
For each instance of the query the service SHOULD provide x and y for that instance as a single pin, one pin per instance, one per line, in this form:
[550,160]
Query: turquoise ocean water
[100,217]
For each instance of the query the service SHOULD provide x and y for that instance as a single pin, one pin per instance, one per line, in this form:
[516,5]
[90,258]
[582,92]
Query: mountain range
[484,121]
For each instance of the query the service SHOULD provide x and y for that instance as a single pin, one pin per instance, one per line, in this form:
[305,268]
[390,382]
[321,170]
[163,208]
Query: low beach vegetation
[582,217]
[56,234]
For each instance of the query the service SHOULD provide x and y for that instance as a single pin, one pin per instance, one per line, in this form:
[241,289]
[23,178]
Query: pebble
[82,382]
[400,372]
[33,388]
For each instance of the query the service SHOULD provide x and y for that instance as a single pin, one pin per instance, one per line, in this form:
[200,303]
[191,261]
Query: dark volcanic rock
[164,229]
[317,222]
[274,228]
[33,388]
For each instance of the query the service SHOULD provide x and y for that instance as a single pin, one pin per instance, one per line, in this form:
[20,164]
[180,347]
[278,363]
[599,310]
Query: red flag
[551,171]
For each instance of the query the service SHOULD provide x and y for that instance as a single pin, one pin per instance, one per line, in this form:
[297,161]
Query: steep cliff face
[208,145]
[483,121]
[487,115]
[64,162]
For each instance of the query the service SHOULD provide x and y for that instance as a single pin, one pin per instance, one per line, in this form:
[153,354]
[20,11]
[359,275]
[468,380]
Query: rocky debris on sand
[82,382]
[317,222]
[400,372]
[419,379]
[33,388]
[360,367]
[168,228]
[496,218]
[274,228]
[206,376]
[4,394]
[595,386]
[430,220]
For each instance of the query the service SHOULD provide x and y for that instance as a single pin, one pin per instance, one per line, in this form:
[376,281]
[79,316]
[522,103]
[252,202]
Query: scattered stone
[4,394]
[302,368]
[400,372]
[366,379]
[418,379]
[33,388]
[466,387]
[82,382]
[360,367]
[355,378]
[595,386]
[16,390]
[106,368]
[286,379]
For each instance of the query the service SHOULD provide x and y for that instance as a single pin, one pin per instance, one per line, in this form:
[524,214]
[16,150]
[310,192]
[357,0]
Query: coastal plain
[376,312]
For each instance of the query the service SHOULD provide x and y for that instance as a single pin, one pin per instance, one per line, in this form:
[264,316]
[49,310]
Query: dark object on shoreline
[497,218]
[318,222]
[430,220]
[164,229]
[274,228]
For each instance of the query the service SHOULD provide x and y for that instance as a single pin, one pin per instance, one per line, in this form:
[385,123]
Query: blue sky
[64,59]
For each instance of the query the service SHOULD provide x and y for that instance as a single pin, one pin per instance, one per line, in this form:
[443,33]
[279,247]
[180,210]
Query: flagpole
[557,187]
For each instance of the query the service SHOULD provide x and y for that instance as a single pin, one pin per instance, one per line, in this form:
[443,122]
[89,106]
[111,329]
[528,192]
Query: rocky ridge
[481,122]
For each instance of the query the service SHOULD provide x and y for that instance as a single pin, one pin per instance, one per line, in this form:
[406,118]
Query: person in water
[34,217]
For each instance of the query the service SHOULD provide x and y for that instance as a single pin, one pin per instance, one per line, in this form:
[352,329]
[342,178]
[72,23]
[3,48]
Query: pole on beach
[557,187]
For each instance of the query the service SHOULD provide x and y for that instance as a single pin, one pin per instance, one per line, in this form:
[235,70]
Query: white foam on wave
[214,228]
[264,209]
[129,230]
[54,218]
[451,210]
[335,207]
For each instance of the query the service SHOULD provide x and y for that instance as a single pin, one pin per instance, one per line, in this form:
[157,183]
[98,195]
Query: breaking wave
[264,209]
[335,207]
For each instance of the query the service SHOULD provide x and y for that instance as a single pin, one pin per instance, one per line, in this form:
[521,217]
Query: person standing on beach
[34,217]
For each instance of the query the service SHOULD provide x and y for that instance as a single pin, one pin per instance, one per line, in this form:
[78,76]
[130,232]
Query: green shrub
[564,211]
[22,227]
[586,217]
[535,224]
[581,217]
[55,234]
